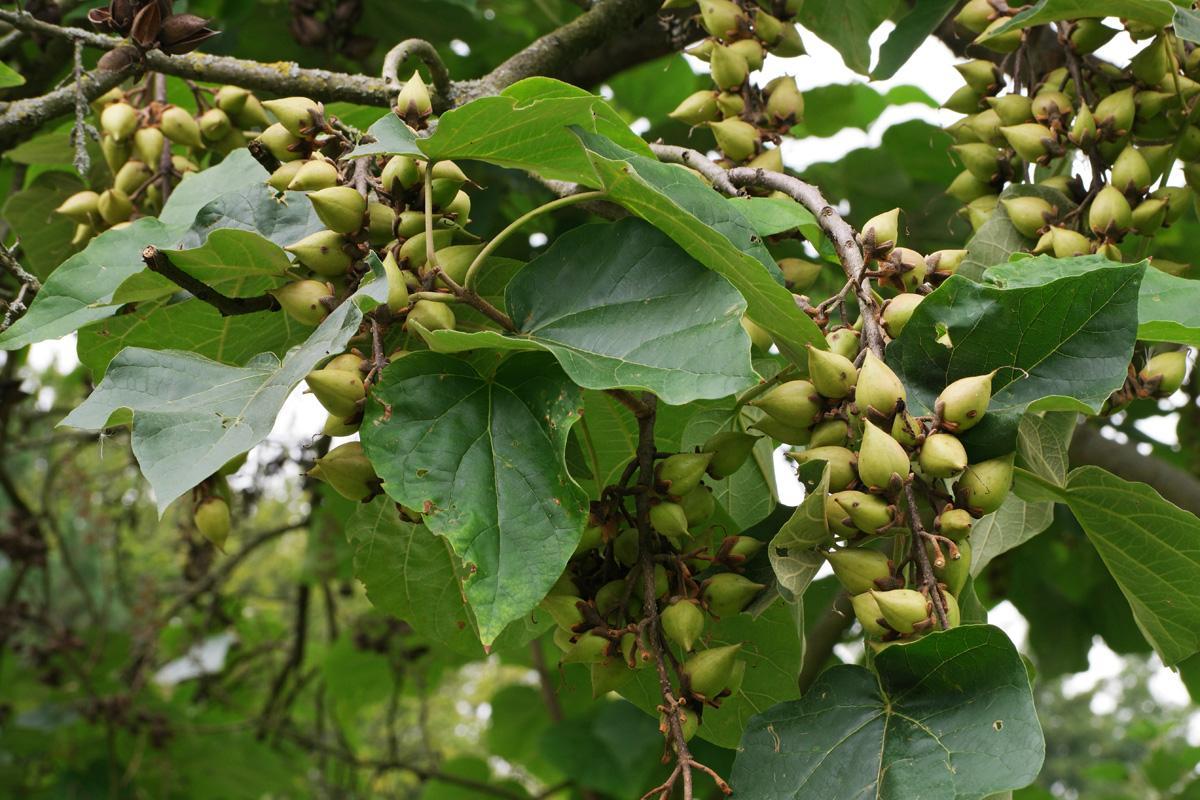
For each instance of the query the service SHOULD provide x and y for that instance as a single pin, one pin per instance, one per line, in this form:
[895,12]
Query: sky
[930,69]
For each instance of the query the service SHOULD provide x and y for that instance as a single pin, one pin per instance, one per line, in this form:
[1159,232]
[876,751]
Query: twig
[157,261]
[438,74]
[81,130]
[717,176]
[925,577]
[28,285]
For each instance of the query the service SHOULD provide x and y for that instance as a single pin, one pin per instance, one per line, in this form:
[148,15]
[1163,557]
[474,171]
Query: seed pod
[696,109]
[966,187]
[837,519]
[832,375]
[785,104]
[830,433]
[115,152]
[737,138]
[955,571]
[280,142]
[909,266]
[211,517]
[750,50]
[294,113]
[730,104]
[942,456]
[1164,372]
[759,337]
[882,231]
[1115,113]
[608,597]
[897,312]
[1130,172]
[1151,64]
[709,671]
[729,449]
[304,301]
[414,253]
[983,486]
[975,15]
[698,505]
[282,177]
[399,174]
[841,463]
[314,175]
[880,457]
[348,471]
[432,315]
[1028,214]
[902,608]
[728,593]
[323,252]
[335,426]
[1149,216]
[774,429]
[397,296]
[380,219]
[870,513]
[341,208]
[722,18]
[954,523]
[1013,109]
[683,622]
[670,520]
[845,342]
[1033,142]
[744,548]
[906,429]
[148,144]
[981,160]
[339,391]
[608,675]
[858,568]
[766,27]
[414,103]
[1088,35]
[980,74]
[119,120]
[563,609]
[80,207]
[1083,129]
[456,260]
[980,211]
[789,44]
[953,615]
[589,648]
[964,100]
[231,99]
[1063,243]
[114,206]
[964,402]
[682,472]
[878,387]
[1051,106]
[867,612]
[214,125]
[1110,215]
[1006,42]
[795,403]
[800,273]
[181,127]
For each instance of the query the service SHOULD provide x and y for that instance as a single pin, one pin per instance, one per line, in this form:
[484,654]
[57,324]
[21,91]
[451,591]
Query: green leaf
[748,495]
[653,89]
[909,34]
[773,215]
[1168,306]
[832,108]
[526,127]
[9,77]
[392,138]
[997,239]
[238,171]
[772,651]
[482,458]
[949,716]
[1154,12]
[612,749]
[1042,443]
[621,305]
[685,208]
[1152,549]
[847,27]
[1187,24]
[795,551]
[45,236]
[191,415]
[1064,345]
[414,576]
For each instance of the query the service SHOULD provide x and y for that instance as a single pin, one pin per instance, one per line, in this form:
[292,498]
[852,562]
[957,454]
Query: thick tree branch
[1178,486]
[157,261]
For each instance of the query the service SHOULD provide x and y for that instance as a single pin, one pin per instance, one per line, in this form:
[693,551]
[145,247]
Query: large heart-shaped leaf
[711,229]
[239,170]
[191,414]
[1063,345]
[621,305]
[1154,12]
[481,456]
[949,716]
[1168,306]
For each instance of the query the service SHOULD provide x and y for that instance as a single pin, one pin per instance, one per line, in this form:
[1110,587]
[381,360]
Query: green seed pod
[844,342]
[625,547]
[609,675]
[955,571]
[841,463]
[1149,216]
[910,265]
[282,177]
[1013,109]
[786,102]
[758,335]
[906,429]
[115,152]
[880,457]
[1115,113]
[563,609]
[348,471]
[399,174]
[897,312]
[1164,372]
[181,127]
[902,608]
[682,472]
[697,109]
[728,593]
[80,207]
[1063,243]
[114,206]
[953,615]
[670,520]
[964,402]
[252,115]
[1130,172]
[975,15]
[690,722]
[1051,106]
[1032,141]
[830,433]
[1083,128]
[794,403]
[749,49]
[323,252]
[214,125]
[683,622]
[942,456]
[414,253]
[131,176]
[397,296]
[83,232]
[1150,65]
[729,449]
[729,69]
[294,113]
[608,597]
[231,99]
[737,138]
[433,315]
[314,175]
[1028,214]
[867,612]
[986,125]
[981,160]
[280,142]
[964,100]
[966,187]
[698,505]
[832,375]
[870,513]
[341,208]
[211,517]
[1088,35]
[119,120]
[838,520]
[413,102]
[1007,42]
[789,44]
[339,391]
[745,548]
[335,426]
[983,486]
[722,18]
[1110,215]
[709,671]
[954,523]
[782,432]
[878,387]
[980,74]
[148,143]
[766,27]
[304,301]
[590,648]
[882,230]
[858,568]
[800,273]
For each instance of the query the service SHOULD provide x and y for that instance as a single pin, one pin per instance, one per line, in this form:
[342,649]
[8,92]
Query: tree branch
[1178,486]
[157,261]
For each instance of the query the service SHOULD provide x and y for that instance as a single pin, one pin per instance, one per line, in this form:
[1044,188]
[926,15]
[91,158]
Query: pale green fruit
[413,101]
[682,472]
[728,593]
[902,608]
[984,486]
[857,569]
[293,113]
[340,391]
[314,175]
[897,312]
[832,375]
[841,464]
[323,252]
[1164,372]
[304,301]
[942,456]
[341,208]
[670,520]
[869,513]
[279,142]
[795,403]
[878,386]
[709,671]
[964,402]
[181,127]
[683,623]
[432,315]
[348,471]
[867,612]
[212,519]
[880,457]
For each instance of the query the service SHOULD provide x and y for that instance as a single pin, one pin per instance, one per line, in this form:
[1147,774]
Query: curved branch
[429,57]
